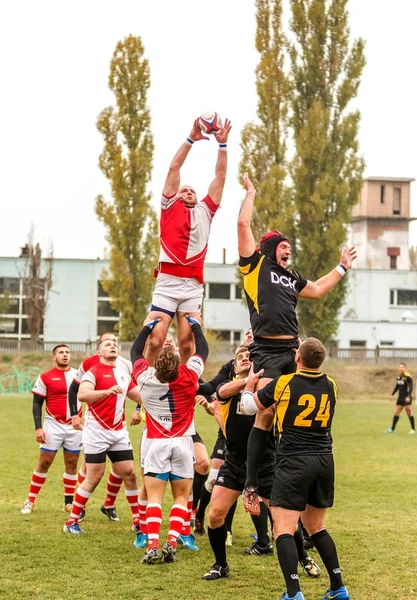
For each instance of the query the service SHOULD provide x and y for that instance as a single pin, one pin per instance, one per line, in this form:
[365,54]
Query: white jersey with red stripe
[184,232]
[121,363]
[169,406]
[108,412]
[53,385]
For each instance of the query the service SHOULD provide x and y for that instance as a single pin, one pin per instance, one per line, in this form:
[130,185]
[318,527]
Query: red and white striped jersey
[109,412]
[184,235]
[53,385]
[121,363]
[169,406]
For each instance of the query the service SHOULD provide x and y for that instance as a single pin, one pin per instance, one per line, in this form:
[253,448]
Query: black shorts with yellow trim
[303,479]
[232,475]
[276,357]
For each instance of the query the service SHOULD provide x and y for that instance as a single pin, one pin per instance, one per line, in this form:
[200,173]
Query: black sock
[68,499]
[299,542]
[256,453]
[217,539]
[328,554]
[412,422]
[198,482]
[261,525]
[205,497]
[229,517]
[288,560]
[394,422]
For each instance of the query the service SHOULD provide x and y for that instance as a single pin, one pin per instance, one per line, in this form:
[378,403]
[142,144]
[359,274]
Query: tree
[126,161]
[36,275]
[413,258]
[322,170]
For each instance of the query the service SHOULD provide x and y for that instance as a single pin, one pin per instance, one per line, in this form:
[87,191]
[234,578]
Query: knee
[155,341]
[216,516]
[43,465]
[202,465]
[129,477]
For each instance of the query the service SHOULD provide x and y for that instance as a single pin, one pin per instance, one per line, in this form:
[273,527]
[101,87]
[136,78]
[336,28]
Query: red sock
[153,521]
[185,530]
[81,476]
[142,516]
[36,483]
[80,500]
[177,517]
[70,483]
[113,486]
[132,498]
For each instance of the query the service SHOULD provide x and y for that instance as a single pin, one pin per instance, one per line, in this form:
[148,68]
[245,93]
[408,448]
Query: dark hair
[58,346]
[166,364]
[312,353]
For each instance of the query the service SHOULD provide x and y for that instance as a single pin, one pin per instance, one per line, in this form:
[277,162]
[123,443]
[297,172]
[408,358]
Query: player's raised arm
[317,289]
[172,182]
[216,187]
[246,241]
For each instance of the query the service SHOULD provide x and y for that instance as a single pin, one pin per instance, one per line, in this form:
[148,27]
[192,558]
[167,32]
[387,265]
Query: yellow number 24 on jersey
[323,412]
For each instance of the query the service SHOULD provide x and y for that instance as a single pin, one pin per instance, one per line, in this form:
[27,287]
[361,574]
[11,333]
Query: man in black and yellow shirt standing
[272,289]
[304,403]
[404,387]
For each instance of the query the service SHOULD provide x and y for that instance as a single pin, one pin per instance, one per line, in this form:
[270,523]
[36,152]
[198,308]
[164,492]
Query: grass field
[373,523]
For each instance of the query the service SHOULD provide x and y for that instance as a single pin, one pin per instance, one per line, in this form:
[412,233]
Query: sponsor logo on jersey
[283,280]
[164,418]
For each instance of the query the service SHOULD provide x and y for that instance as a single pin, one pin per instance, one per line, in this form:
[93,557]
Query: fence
[222,351]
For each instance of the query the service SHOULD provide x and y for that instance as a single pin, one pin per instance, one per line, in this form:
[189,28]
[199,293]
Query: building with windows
[380,310]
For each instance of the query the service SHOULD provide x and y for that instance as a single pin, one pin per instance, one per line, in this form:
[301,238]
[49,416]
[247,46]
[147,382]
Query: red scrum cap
[269,241]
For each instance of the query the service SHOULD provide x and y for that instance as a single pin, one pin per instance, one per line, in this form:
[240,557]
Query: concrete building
[380,310]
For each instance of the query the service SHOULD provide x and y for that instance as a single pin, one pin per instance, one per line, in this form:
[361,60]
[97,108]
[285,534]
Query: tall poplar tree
[126,161]
[322,167]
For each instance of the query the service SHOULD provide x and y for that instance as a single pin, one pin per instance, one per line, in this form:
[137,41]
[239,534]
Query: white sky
[55,62]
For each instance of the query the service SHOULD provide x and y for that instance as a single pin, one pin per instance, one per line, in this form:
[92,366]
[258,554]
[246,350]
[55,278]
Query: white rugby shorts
[100,440]
[59,435]
[177,294]
[168,455]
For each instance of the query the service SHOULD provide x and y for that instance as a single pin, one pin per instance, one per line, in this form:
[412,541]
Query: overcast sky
[55,59]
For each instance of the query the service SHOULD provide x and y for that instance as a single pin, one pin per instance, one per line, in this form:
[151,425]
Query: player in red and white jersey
[104,389]
[168,391]
[52,387]
[184,234]
[114,481]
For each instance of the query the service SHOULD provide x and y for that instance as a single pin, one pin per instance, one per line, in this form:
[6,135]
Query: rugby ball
[210,122]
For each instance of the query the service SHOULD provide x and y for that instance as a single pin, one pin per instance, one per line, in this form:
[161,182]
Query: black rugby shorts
[276,357]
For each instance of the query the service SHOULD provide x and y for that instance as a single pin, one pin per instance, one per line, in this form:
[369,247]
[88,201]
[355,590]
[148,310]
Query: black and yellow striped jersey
[272,294]
[403,385]
[305,408]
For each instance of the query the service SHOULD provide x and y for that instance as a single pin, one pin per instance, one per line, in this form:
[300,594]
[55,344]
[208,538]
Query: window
[9,285]
[221,335]
[10,326]
[396,201]
[386,343]
[104,309]
[100,291]
[406,297]
[238,291]
[357,343]
[219,291]
[392,262]
[9,306]
[106,327]
[392,297]
[382,196]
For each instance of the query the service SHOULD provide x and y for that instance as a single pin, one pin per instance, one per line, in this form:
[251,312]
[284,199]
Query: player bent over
[304,477]
[52,387]
[168,392]
[104,389]
[184,234]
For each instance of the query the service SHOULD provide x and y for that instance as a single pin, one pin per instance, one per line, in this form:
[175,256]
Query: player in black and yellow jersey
[231,477]
[272,289]
[404,387]
[304,404]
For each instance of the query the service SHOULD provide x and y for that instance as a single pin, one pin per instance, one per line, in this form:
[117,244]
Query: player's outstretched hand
[223,133]
[349,253]
[250,188]
[191,320]
[151,324]
[196,134]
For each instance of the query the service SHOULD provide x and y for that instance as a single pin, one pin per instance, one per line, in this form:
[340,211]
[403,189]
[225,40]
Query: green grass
[373,523]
